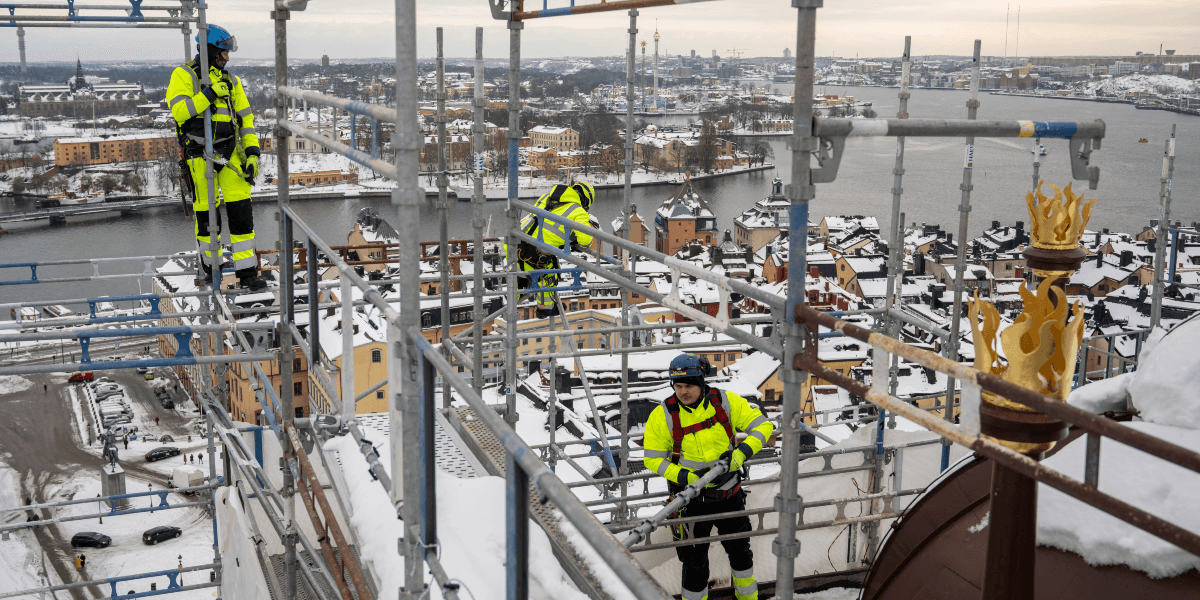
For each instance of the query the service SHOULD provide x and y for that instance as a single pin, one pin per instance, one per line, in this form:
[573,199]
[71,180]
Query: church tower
[80,82]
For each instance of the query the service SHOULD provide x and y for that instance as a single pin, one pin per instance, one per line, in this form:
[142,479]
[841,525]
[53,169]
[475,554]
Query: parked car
[160,533]
[90,539]
[166,438]
[148,437]
[161,453]
[99,381]
[143,370]
[149,376]
[81,377]
[166,403]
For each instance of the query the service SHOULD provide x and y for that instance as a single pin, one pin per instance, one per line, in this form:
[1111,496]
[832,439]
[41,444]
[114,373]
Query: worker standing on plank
[235,148]
[686,435]
[573,203]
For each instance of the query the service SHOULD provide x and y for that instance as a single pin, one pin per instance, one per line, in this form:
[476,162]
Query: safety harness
[678,431]
[527,252]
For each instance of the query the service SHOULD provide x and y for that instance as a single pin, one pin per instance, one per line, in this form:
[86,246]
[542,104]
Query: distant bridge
[60,213]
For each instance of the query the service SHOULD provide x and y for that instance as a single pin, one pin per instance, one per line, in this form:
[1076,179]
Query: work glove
[221,89]
[734,458]
[252,167]
[687,477]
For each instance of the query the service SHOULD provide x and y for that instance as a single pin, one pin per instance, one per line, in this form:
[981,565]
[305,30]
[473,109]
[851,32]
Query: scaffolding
[414,365]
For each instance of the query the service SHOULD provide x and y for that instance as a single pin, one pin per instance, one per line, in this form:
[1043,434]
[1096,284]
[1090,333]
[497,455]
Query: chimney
[919,263]
[1126,257]
[813,272]
[1099,260]
[1150,243]
[949,238]
[995,224]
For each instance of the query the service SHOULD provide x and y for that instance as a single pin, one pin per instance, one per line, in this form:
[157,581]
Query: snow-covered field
[1163,84]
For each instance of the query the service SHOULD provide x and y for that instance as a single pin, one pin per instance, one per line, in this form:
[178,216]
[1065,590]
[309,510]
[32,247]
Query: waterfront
[1128,193]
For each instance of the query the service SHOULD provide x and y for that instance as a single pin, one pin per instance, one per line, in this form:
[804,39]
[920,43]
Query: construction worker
[686,435]
[235,149]
[572,202]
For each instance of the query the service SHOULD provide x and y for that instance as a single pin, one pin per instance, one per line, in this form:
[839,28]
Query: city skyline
[870,28]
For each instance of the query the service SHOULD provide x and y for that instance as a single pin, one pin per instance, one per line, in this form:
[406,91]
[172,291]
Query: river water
[1128,192]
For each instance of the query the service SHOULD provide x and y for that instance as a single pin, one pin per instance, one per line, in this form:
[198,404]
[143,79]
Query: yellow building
[117,148]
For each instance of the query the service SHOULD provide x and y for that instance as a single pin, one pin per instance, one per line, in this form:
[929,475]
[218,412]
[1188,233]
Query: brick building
[117,148]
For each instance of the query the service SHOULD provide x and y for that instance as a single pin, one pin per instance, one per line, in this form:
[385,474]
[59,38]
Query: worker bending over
[572,203]
[235,149]
[688,434]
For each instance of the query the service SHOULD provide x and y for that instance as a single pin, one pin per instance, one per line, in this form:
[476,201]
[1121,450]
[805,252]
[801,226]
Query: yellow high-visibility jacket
[552,232]
[702,448]
[187,102]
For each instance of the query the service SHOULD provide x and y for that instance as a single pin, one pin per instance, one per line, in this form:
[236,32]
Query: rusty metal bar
[1050,406]
[1019,463]
[339,575]
[348,560]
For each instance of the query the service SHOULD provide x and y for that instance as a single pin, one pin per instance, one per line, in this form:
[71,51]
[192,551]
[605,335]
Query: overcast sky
[365,28]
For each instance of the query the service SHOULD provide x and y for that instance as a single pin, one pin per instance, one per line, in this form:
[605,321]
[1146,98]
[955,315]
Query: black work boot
[543,313]
[208,277]
[249,279]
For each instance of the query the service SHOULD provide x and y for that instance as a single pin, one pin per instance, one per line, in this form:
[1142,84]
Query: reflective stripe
[244,112]
[701,595]
[744,585]
[759,435]
[191,106]
[656,453]
[224,111]
[755,423]
[695,464]
[662,468]
[747,574]
[176,100]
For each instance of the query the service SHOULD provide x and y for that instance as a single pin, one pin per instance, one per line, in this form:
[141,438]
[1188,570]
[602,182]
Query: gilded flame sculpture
[1038,350]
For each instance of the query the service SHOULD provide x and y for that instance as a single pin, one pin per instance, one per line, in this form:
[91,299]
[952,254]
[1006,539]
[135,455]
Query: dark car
[160,533]
[168,403]
[90,539]
[161,453]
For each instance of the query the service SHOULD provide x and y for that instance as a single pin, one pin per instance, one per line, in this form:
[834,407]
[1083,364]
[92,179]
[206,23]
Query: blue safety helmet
[687,365]
[221,38]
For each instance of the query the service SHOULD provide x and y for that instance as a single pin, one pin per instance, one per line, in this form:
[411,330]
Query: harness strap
[678,430]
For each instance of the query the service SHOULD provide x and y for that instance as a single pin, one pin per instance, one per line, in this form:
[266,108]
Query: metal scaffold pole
[626,264]
[789,503]
[284,246]
[403,372]
[443,208]
[478,131]
[1164,223]
[514,141]
[964,210]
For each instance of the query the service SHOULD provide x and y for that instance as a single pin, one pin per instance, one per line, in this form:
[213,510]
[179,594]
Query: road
[39,441]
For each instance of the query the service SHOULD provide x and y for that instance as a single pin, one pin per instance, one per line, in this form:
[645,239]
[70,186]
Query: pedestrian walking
[79,562]
[126,440]
[156,420]
[45,388]
[201,458]
[190,458]
[82,562]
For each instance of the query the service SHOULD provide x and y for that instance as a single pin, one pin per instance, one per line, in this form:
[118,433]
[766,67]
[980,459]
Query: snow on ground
[471,531]
[128,555]
[20,556]
[1137,82]
[831,594]
[1156,486]
[1166,386]
[11,384]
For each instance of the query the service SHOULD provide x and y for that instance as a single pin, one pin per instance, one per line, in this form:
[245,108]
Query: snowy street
[50,453]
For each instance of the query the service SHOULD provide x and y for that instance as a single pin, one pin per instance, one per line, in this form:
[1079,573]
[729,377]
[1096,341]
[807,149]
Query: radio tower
[21,47]
[656,65]
[642,77]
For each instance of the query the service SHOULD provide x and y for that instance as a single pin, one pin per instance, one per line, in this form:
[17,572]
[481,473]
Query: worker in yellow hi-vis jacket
[572,203]
[688,434]
[235,149]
